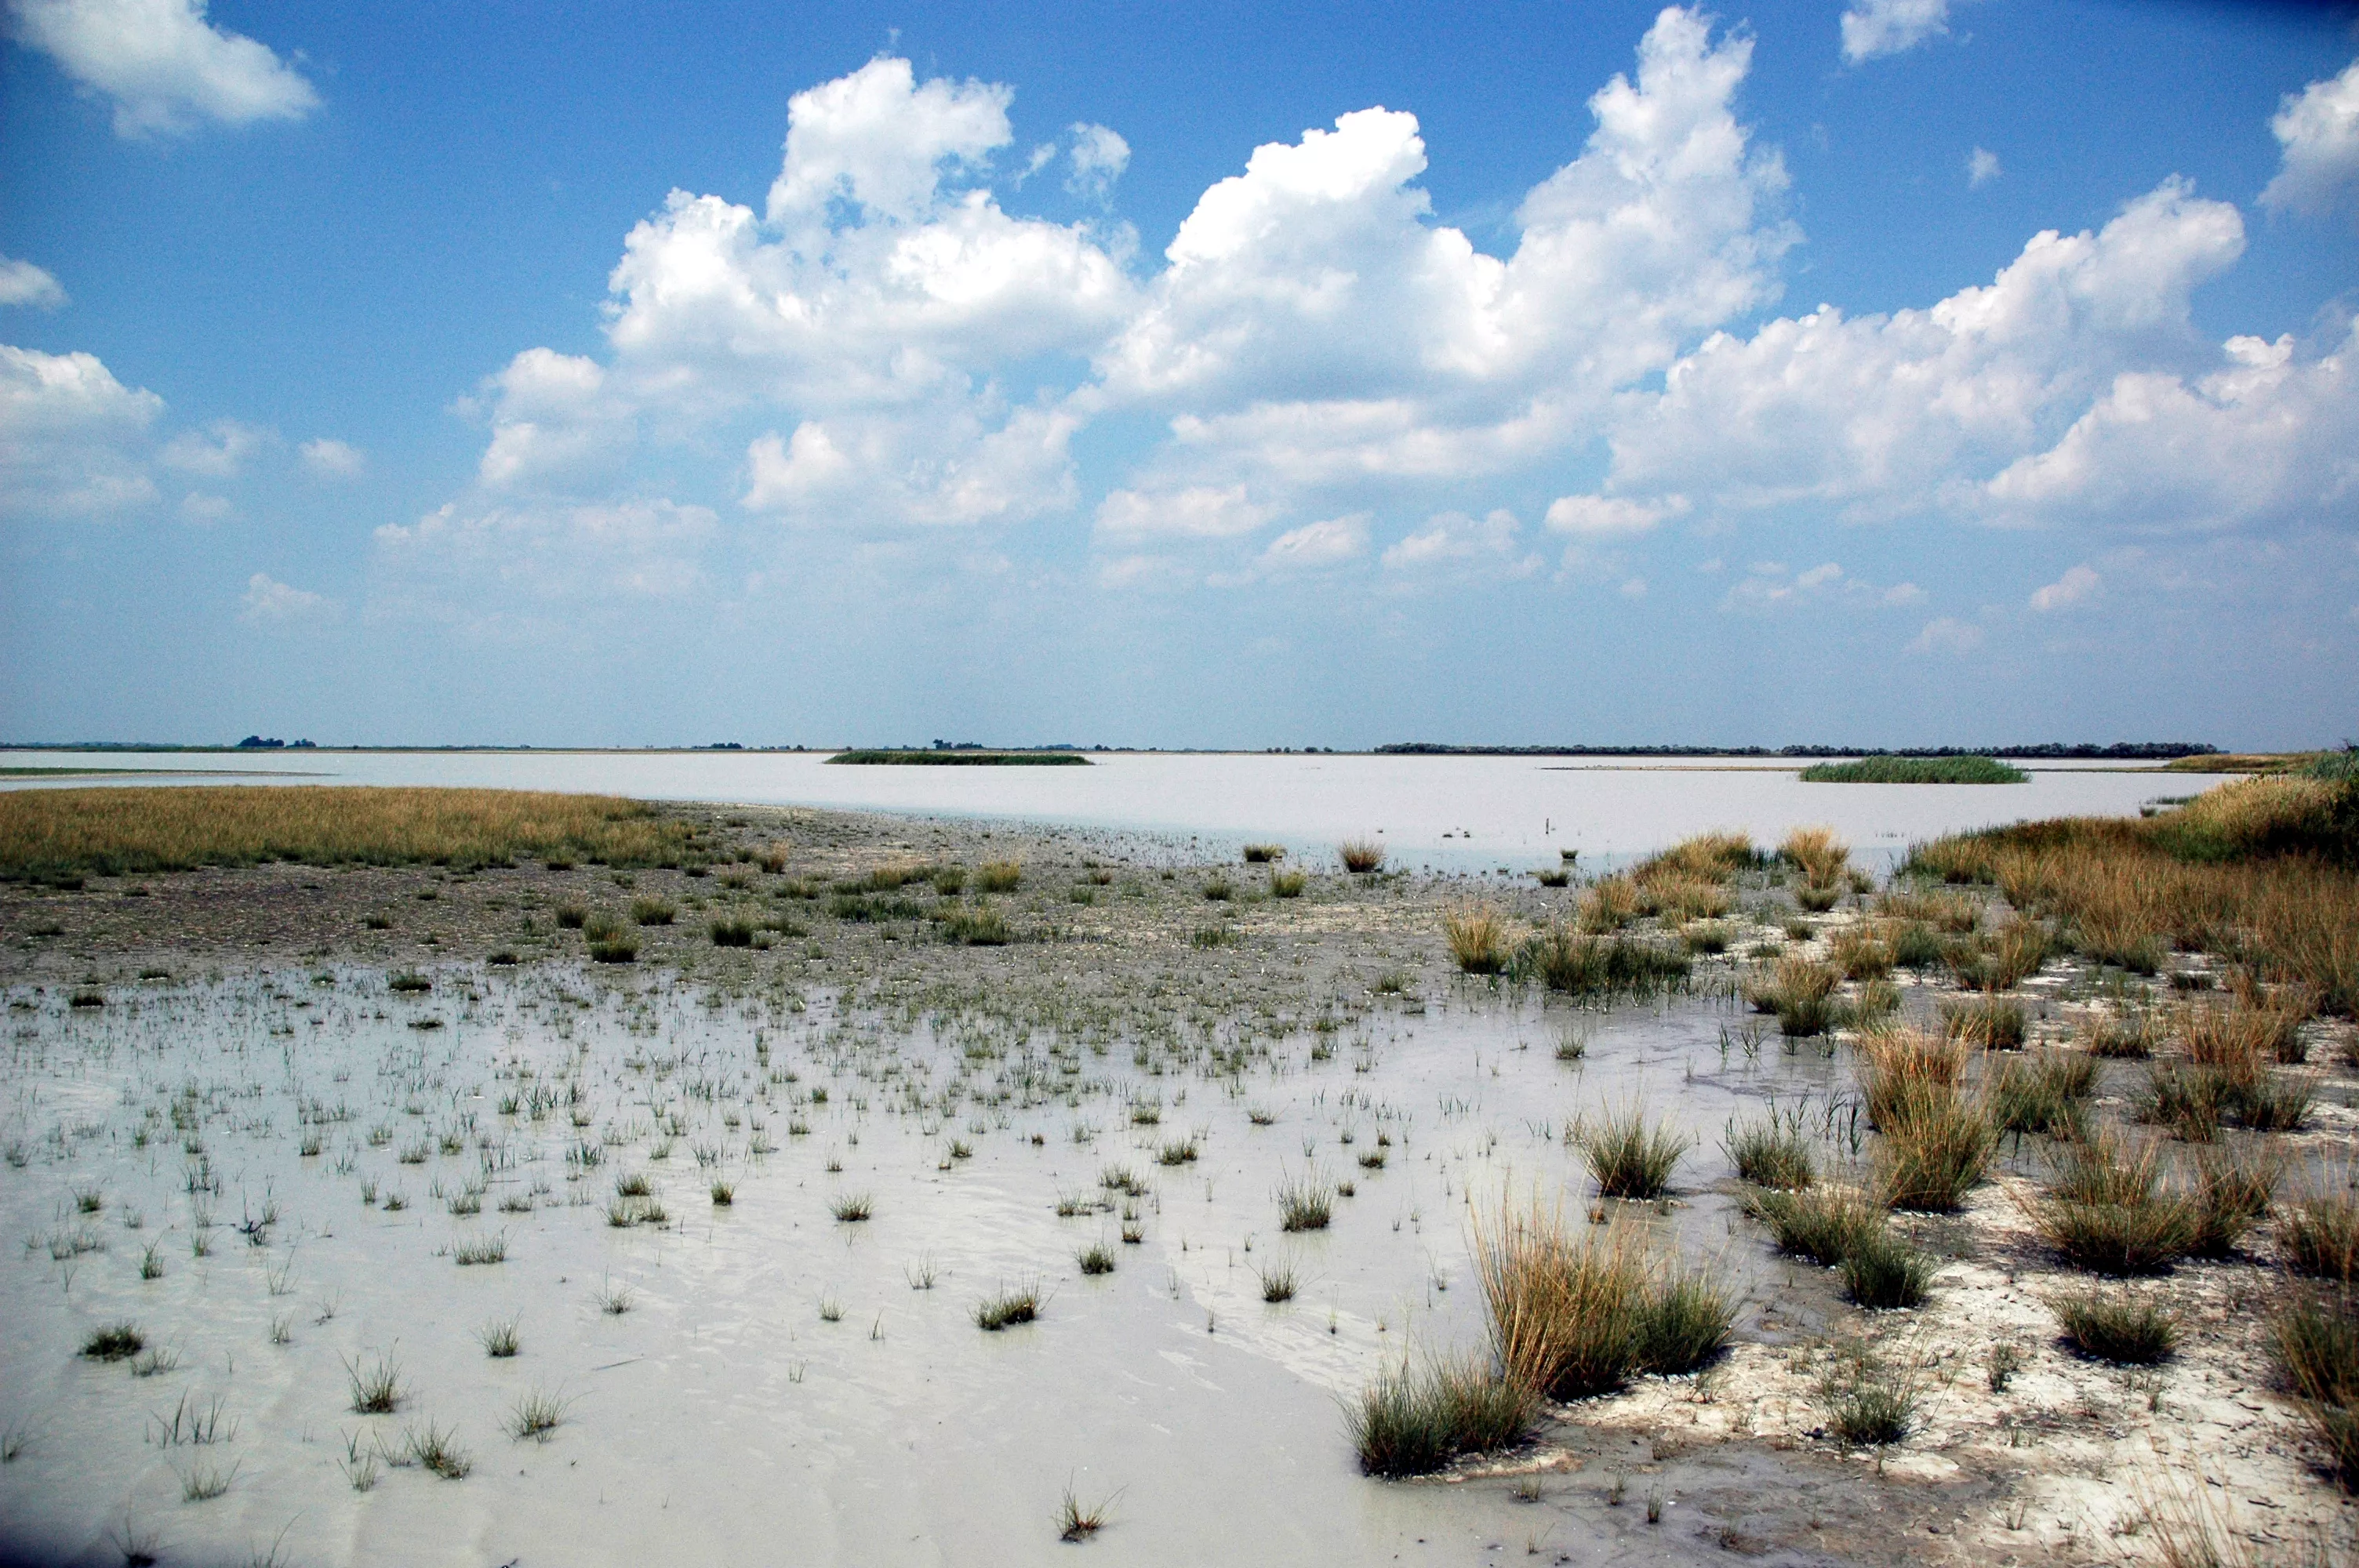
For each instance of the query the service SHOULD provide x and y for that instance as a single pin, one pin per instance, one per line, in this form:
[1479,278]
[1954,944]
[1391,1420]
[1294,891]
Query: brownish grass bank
[50,833]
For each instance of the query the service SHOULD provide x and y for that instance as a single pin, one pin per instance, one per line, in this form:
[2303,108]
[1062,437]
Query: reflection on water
[1462,813]
[781,1377]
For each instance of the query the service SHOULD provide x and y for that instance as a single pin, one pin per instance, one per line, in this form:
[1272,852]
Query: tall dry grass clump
[1578,1314]
[1938,1142]
[1801,992]
[1824,862]
[1608,904]
[110,832]
[2263,872]
[1477,935]
[1360,855]
[2113,1207]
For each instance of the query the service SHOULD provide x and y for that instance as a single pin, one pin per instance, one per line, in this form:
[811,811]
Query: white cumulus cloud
[163,65]
[1200,512]
[1099,156]
[1880,417]
[331,458]
[1947,635]
[73,440]
[22,282]
[217,451]
[270,602]
[1872,29]
[1328,543]
[2319,130]
[2076,584]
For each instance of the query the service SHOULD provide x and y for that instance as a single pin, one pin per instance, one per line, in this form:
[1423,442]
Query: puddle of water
[724,1414]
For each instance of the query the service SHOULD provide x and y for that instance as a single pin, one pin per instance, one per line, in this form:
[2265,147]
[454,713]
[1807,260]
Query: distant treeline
[2120,751]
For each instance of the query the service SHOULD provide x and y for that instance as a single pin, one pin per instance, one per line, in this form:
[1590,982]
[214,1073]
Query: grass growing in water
[1917,770]
[1599,966]
[1360,855]
[1627,1157]
[115,1342]
[1305,1203]
[1572,1316]
[1477,935]
[995,1312]
[1414,1421]
[1771,1155]
[850,1208]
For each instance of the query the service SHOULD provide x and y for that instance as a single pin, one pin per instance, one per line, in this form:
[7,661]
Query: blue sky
[1923,372]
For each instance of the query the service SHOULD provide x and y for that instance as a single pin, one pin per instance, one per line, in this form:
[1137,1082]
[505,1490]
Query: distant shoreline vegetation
[2119,752]
[947,758]
[1912,769]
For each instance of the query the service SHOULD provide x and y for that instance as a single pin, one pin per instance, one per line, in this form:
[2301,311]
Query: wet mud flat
[307,1149]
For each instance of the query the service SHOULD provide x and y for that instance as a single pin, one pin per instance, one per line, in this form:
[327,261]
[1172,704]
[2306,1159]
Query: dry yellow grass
[1477,935]
[2244,871]
[1823,858]
[109,831]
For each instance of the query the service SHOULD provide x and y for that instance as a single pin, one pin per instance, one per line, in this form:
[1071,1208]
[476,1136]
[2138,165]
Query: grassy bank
[1917,770]
[53,834]
[962,759]
[2264,872]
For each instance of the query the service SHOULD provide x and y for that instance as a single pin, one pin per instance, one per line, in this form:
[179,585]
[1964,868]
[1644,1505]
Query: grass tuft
[995,1312]
[2116,1328]
[1477,935]
[1627,1157]
[1415,1422]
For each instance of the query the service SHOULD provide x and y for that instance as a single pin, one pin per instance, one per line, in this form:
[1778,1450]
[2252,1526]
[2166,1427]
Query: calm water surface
[1452,813]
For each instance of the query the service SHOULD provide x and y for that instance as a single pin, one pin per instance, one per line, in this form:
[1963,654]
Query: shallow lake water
[781,1389]
[1463,813]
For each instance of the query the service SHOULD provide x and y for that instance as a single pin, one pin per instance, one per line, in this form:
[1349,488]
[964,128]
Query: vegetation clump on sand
[2263,872]
[50,833]
[879,757]
[1917,770]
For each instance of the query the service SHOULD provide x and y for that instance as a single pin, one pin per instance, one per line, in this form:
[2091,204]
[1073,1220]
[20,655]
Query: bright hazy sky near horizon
[1914,372]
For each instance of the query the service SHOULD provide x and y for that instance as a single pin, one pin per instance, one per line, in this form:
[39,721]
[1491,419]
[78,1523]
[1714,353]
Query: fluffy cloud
[1099,156]
[1981,167]
[1311,325]
[331,458]
[2076,584]
[1454,543]
[218,451]
[554,429]
[268,602]
[1947,635]
[73,438]
[970,467]
[1323,543]
[22,282]
[501,565]
[2319,129]
[2261,442]
[164,66]
[1878,417]
[1872,29]
[1198,513]
[1595,515]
